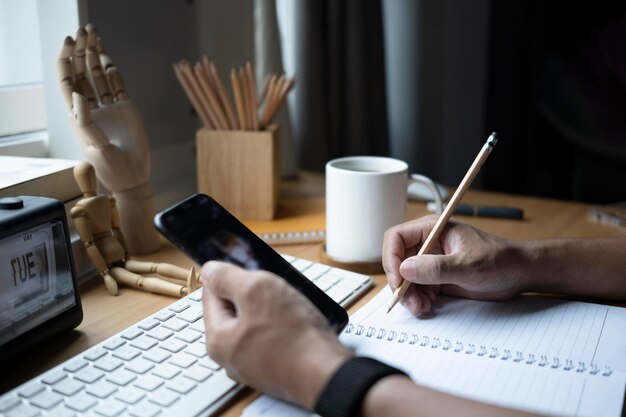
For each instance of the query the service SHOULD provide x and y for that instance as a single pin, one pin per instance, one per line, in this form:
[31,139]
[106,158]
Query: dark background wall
[557,96]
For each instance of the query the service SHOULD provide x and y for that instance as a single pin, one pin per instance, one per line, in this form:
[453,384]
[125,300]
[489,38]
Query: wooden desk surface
[105,315]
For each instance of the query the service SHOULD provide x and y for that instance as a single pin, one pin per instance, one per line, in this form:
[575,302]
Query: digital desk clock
[38,291]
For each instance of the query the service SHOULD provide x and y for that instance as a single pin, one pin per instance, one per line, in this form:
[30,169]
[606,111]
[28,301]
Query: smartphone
[205,231]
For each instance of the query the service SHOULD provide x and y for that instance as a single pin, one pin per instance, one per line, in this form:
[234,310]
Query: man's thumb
[427,269]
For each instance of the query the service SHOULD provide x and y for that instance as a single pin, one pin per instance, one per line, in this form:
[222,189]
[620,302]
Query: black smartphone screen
[206,231]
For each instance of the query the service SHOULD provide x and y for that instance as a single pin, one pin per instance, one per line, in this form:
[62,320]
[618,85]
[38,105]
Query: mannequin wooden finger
[118,87]
[100,81]
[65,70]
[83,84]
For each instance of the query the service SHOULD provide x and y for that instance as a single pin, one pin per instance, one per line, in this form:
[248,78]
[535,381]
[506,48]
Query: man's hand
[267,335]
[464,262]
[111,133]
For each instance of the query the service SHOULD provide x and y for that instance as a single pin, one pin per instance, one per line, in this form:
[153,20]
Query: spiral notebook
[537,354]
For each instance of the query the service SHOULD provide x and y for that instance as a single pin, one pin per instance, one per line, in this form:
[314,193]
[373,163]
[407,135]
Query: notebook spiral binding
[472,349]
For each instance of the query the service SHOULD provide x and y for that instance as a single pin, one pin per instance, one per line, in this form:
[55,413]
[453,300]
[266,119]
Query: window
[22,105]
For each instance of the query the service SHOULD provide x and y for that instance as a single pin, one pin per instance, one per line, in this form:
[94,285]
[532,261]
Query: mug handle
[422,179]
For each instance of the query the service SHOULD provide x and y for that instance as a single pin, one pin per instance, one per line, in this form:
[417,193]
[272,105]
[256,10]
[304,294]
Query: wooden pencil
[268,99]
[243,82]
[217,80]
[280,98]
[237,94]
[254,117]
[207,89]
[191,95]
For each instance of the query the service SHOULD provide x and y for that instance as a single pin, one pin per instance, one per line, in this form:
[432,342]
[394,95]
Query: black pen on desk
[500,212]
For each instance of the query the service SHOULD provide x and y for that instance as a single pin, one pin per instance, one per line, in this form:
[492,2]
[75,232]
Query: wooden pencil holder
[240,169]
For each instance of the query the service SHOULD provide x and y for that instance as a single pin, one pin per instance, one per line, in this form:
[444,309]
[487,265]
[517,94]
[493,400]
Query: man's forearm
[583,267]
[398,396]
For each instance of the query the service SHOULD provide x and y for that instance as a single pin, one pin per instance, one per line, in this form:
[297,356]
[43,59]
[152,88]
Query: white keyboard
[158,366]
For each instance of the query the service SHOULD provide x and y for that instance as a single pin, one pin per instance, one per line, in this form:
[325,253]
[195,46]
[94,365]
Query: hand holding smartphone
[205,231]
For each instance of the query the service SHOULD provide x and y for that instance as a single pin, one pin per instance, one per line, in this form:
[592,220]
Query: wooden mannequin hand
[111,133]
[106,121]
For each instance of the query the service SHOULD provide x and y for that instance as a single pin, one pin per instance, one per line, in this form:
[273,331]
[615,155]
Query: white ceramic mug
[366,195]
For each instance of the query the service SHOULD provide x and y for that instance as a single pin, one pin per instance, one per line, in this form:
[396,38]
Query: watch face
[35,278]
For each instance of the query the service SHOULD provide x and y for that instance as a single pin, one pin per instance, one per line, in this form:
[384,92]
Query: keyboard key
[315,271]
[81,402]
[198,350]
[143,342]
[23,410]
[88,375]
[8,402]
[148,324]
[173,345]
[196,295]
[198,326]
[288,258]
[75,364]
[338,293]
[160,333]
[121,377]
[110,408]
[145,409]
[188,336]
[166,371]
[209,363]
[175,324]
[163,397]
[46,399]
[179,306]
[301,264]
[108,364]
[163,315]
[94,354]
[126,353]
[139,366]
[197,373]
[53,377]
[323,284]
[156,355]
[183,360]
[130,395]
[149,382]
[68,387]
[349,275]
[191,315]
[31,389]
[101,389]
[114,343]
[181,385]
[131,334]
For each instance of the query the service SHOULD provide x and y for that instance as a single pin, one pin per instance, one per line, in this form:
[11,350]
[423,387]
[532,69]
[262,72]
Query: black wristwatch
[343,394]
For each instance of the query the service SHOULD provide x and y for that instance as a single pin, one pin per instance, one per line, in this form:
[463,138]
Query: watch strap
[343,394]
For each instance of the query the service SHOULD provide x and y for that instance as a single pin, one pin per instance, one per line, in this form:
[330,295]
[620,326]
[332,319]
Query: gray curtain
[338,107]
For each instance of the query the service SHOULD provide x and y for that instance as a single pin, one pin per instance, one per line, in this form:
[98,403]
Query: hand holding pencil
[204,89]
[435,232]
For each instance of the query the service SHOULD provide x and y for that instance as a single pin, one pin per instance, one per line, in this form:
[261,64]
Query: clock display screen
[35,279]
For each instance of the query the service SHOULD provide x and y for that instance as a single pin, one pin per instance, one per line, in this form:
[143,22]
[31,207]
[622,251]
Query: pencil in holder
[241,170]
